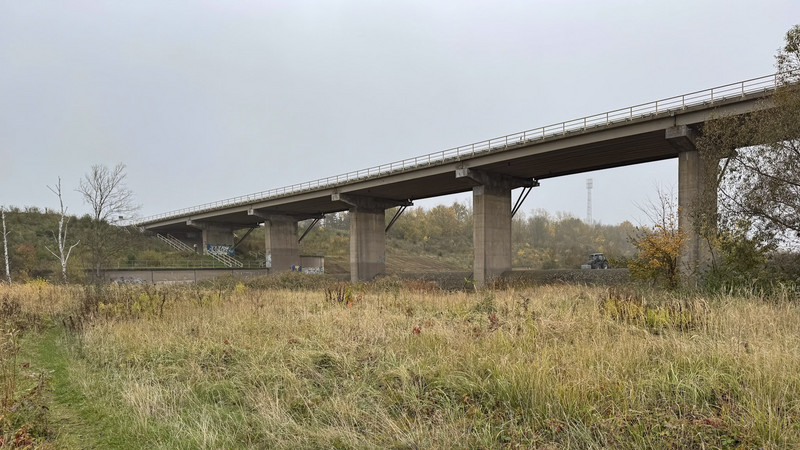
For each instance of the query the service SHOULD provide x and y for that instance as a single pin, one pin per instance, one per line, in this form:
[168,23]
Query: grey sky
[206,100]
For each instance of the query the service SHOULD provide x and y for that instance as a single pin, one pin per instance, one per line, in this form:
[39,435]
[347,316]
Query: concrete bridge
[491,169]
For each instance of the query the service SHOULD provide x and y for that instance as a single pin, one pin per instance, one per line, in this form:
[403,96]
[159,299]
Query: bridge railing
[663,106]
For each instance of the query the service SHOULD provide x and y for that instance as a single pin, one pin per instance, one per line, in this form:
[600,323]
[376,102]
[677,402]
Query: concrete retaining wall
[170,276]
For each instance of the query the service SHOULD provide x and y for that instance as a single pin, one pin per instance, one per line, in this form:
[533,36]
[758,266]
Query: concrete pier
[367,233]
[696,255]
[367,243]
[491,212]
[693,182]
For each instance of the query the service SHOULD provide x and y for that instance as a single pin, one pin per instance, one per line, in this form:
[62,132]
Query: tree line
[539,240]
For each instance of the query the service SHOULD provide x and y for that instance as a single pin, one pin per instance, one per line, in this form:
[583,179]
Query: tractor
[596,261]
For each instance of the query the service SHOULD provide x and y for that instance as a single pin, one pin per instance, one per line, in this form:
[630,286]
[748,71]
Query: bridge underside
[440,180]
[646,139]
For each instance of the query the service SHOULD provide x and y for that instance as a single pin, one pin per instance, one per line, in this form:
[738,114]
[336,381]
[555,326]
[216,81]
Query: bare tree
[110,198]
[61,237]
[5,243]
[105,191]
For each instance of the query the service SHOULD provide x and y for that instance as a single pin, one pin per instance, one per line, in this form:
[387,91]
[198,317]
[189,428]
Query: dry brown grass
[533,367]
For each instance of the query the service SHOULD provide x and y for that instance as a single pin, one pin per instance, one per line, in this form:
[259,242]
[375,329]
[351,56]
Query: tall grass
[411,367]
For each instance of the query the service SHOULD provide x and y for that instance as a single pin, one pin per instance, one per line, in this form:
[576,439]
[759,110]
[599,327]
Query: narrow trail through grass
[76,423]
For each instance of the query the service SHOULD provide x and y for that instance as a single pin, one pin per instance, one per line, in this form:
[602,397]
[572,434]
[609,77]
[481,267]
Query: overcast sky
[205,100]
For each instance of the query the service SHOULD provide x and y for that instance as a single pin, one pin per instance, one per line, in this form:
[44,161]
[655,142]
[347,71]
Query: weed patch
[627,305]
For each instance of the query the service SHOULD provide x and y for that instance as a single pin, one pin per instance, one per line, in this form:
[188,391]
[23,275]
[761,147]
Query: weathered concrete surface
[167,276]
[213,235]
[367,243]
[367,233]
[217,236]
[491,211]
[313,264]
[695,257]
[280,240]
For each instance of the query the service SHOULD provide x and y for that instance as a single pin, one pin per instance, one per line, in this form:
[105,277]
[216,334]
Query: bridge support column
[280,243]
[491,214]
[693,181]
[367,244]
[491,234]
[367,233]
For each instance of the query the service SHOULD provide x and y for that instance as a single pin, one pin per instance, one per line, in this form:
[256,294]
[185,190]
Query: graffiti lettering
[220,249]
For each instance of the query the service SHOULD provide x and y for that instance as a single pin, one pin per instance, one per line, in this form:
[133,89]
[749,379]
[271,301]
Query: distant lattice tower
[589,185]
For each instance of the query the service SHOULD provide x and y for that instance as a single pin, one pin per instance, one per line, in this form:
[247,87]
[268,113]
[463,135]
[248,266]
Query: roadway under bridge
[491,169]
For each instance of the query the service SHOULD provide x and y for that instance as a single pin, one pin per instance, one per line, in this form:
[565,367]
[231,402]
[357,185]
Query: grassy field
[396,365]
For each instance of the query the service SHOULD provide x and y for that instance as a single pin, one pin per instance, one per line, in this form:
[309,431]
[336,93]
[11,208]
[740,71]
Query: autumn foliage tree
[659,246]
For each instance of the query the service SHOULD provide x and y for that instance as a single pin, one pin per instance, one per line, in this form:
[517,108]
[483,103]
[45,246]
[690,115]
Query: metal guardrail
[175,243]
[224,258]
[704,97]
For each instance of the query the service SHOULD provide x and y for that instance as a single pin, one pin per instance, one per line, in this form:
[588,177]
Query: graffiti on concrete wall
[220,249]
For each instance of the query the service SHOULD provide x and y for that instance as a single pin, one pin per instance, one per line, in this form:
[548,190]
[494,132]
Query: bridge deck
[617,138]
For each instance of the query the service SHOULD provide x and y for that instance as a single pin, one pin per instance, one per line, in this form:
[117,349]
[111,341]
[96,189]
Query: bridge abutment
[215,237]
